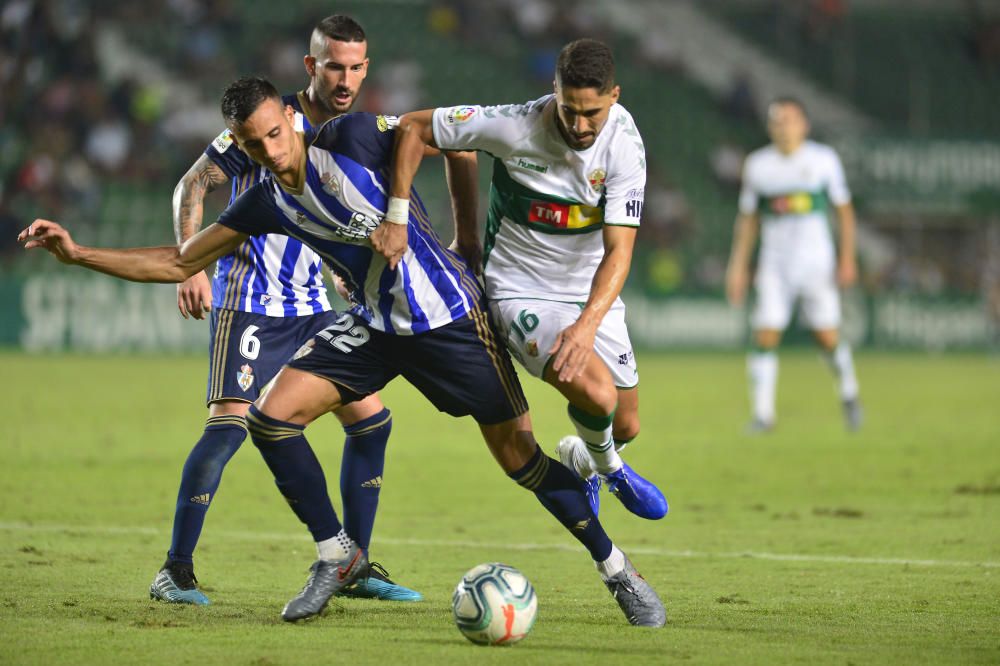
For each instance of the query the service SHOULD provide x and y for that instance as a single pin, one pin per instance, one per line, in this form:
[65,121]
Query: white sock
[334,548]
[842,364]
[762,367]
[600,444]
[613,565]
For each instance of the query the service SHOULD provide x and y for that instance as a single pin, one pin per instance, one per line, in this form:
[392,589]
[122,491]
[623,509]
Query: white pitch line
[448,543]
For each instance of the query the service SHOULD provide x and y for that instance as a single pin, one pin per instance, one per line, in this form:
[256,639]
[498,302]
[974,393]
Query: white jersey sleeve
[493,129]
[749,199]
[836,185]
[625,185]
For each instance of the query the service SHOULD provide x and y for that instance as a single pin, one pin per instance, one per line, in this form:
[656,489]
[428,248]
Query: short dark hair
[791,101]
[341,28]
[242,97]
[586,63]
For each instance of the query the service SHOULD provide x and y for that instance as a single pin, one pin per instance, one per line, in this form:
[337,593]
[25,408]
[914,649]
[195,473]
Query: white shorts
[531,326]
[776,295]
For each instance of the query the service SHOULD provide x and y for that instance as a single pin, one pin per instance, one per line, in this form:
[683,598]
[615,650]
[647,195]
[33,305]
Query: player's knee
[598,400]
[267,431]
[625,430]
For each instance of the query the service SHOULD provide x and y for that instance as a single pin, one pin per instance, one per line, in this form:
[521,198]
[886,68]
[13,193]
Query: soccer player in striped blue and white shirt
[267,298]
[420,315]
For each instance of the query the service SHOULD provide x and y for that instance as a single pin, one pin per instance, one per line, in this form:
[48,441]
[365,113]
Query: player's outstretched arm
[194,295]
[574,344]
[147,264]
[413,135]
[462,172]
[738,269]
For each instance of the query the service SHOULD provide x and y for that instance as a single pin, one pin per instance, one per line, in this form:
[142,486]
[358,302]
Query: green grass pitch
[810,545]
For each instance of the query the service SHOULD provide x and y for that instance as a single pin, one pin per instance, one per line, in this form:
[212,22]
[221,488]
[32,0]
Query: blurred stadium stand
[106,104]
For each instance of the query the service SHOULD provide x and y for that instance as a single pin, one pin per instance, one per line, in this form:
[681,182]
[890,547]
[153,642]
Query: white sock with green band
[595,431]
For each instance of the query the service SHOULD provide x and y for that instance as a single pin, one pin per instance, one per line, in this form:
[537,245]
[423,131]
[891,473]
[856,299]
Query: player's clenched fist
[52,237]
[389,240]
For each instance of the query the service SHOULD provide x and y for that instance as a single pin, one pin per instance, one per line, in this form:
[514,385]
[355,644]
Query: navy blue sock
[297,472]
[361,474]
[559,491]
[200,479]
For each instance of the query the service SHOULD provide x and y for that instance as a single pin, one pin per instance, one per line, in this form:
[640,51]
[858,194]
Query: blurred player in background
[418,313]
[788,187]
[267,299]
[565,204]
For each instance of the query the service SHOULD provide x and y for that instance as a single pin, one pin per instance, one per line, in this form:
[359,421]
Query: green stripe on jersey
[541,212]
[794,203]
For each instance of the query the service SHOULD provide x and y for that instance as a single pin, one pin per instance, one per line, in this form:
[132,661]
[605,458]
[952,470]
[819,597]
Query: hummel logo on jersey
[204,498]
[373,483]
[525,164]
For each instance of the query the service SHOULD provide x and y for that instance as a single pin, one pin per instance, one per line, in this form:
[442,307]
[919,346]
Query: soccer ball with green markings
[494,604]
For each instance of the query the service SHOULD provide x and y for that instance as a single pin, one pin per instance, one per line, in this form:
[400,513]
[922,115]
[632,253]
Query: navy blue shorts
[247,350]
[461,367]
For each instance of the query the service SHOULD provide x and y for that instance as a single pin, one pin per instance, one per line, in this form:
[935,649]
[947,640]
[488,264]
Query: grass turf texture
[808,545]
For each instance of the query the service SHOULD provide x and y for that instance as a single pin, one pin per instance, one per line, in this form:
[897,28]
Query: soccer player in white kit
[569,171]
[788,188]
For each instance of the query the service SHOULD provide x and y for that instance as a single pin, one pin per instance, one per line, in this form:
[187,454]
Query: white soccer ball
[494,604]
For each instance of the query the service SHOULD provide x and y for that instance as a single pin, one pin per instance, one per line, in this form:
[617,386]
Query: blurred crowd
[99,93]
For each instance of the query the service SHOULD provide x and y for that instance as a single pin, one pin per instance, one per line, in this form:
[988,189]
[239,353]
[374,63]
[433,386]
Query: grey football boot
[326,578]
[853,414]
[639,602]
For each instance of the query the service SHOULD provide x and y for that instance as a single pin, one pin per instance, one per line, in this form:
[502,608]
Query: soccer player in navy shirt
[421,316]
[267,298]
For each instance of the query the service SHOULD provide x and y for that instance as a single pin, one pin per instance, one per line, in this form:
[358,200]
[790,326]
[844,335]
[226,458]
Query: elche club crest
[245,377]
[596,179]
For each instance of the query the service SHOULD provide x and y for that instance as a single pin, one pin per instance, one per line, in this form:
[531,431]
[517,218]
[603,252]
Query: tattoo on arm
[189,196]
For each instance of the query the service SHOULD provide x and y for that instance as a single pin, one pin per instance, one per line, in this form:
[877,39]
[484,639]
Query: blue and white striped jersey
[341,199]
[272,275]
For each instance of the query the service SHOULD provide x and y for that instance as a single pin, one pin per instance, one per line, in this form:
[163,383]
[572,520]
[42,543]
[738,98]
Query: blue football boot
[591,484]
[176,584]
[376,584]
[637,494]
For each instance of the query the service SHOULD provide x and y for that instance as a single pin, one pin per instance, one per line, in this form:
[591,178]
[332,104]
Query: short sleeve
[253,212]
[492,129]
[625,185]
[836,184]
[749,199]
[224,152]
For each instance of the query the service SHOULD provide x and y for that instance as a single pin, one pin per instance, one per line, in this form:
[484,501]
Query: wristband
[398,211]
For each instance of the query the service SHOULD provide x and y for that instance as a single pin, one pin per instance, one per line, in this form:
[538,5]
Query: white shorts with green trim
[531,327]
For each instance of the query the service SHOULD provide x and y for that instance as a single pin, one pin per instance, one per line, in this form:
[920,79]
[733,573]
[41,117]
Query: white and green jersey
[548,202]
[792,195]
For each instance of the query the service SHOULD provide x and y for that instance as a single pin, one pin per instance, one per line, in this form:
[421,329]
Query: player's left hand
[572,348]
[389,240]
[847,273]
[52,237]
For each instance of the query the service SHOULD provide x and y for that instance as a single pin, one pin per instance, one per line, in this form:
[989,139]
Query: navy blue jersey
[269,275]
[341,199]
